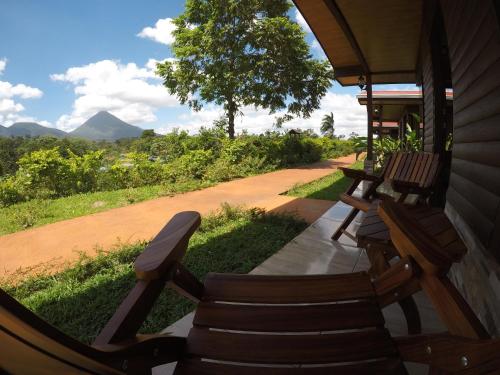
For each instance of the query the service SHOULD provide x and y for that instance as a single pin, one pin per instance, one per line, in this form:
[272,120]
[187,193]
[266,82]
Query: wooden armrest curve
[353,173]
[407,187]
[359,203]
[167,247]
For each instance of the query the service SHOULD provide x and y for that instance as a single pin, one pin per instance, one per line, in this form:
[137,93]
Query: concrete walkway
[52,245]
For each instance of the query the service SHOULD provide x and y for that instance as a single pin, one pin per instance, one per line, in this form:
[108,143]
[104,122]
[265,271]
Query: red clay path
[54,244]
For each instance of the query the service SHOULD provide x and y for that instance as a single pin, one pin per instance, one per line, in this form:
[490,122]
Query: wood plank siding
[473,34]
[428,94]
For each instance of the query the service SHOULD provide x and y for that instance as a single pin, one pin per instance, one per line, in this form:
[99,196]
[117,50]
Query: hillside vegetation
[47,179]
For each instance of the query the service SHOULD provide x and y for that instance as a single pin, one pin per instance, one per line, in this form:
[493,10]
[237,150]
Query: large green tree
[236,53]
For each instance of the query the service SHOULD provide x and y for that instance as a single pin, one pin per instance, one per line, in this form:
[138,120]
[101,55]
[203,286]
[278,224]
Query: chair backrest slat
[411,167]
[418,163]
[395,166]
[416,167]
[433,171]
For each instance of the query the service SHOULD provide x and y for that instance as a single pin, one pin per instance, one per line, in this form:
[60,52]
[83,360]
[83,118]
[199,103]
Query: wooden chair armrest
[157,265]
[141,352]
[168,247]
[406,187]
[358,174]
[373,177]
[359,203]
[353,173]
[451,353]
[398,282]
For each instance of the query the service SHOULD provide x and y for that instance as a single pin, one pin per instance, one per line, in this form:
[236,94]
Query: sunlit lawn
[328,187]
[81,299]
[40,212]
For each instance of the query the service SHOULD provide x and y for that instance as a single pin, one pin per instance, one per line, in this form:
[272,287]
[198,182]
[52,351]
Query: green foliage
[360,144]
[327,188]
[207,157]
[327,125]
[99,284]
[238,53]
[11,149]
[193,164]
[385,146]
[10,192]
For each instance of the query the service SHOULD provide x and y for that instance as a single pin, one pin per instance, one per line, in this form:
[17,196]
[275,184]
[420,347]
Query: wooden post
[369,108]
[380,114]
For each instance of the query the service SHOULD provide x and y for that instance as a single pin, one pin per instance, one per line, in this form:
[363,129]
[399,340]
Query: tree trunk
[230,119]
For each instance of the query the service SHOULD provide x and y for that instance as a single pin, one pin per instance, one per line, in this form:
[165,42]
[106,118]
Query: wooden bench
[317,324]
[406,173]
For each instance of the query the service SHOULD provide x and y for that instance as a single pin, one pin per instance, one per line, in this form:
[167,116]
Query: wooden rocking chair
[245,324]
[406,172]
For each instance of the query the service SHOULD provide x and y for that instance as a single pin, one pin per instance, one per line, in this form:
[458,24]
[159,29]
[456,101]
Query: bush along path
[45,180]
[60,242]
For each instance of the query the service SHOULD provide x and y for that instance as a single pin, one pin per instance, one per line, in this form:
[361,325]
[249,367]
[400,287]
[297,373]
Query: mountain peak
[30,129]
[105,126]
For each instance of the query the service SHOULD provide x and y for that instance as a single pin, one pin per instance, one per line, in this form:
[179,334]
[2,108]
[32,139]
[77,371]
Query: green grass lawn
[81,299]
[328,187]
[40,212]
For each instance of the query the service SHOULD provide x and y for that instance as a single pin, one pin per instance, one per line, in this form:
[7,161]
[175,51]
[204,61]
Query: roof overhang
[393,104]
[380,38]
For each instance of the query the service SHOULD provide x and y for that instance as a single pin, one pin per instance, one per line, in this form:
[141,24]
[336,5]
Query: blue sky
[62,61]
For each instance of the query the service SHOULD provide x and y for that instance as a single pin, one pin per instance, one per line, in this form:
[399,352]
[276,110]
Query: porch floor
[313,252]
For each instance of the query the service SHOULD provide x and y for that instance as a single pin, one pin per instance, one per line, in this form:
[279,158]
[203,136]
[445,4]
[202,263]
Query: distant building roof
[389,95]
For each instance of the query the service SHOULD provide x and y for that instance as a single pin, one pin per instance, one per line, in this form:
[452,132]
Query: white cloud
[301,21]
[130,92]
[3,64]
[10,109]
[7,90]
[349,117]
[161,32]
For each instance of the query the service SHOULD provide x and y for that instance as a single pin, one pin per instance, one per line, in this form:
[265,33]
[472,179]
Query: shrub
[174,158]
[222,170]
[193,164]
[10,192]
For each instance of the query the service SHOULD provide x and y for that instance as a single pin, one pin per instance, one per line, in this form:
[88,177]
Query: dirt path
[53,244]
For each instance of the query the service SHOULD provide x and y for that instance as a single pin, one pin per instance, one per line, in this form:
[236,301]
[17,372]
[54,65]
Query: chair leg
[345,224]
[410,310]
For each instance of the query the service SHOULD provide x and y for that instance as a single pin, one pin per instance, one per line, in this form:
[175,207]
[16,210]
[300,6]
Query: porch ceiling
[359,36]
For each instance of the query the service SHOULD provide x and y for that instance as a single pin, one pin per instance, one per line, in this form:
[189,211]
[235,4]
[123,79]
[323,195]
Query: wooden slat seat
[284,318]
[377,367]
[290,349]
[286,289]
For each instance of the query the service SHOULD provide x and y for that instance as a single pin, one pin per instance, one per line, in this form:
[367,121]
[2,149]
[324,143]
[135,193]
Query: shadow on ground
[80,300]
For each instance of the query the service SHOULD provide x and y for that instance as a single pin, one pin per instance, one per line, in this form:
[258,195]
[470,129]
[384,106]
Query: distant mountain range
[102,126]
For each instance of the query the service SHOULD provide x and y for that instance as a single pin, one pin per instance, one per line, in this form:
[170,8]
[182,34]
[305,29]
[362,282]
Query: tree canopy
[327,125]
[238,53]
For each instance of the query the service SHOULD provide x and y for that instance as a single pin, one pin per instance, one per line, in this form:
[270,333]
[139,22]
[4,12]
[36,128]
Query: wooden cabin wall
[473,196]
[429,108]
[433,70]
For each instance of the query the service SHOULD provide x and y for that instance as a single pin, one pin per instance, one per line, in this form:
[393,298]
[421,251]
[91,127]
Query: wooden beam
[333,7]
[348,71]
[369,109]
